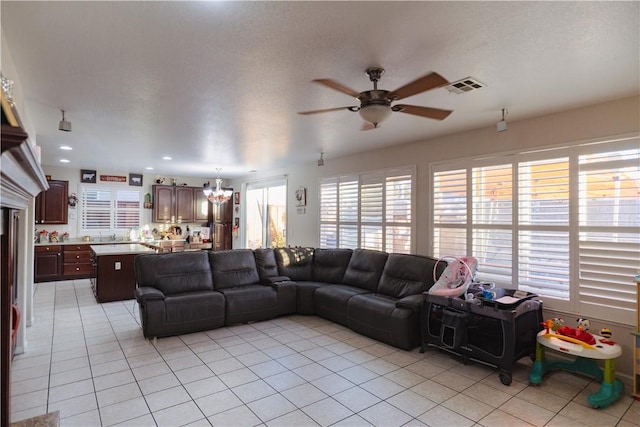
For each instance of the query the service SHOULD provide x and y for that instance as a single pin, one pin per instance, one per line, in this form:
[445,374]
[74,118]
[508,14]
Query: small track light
[501,126]
[321,160]
[64,125]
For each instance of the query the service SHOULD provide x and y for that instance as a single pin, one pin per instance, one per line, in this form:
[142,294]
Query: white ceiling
[219,84]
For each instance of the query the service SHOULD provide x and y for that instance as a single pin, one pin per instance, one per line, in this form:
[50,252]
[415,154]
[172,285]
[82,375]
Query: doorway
[266,214]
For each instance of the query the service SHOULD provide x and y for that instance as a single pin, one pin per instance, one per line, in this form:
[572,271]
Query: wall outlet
[118,265]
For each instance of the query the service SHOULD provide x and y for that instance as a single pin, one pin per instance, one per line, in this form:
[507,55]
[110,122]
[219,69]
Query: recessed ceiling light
[65,147]
[64,161]
[149,168]
[166,158]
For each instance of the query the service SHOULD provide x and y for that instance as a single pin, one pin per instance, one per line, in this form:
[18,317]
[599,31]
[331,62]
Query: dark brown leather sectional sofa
[373,293]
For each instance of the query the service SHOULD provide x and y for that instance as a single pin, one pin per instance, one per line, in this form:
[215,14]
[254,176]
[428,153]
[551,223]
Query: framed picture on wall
[87,176]
[135,179]
[301,197]
[236,198]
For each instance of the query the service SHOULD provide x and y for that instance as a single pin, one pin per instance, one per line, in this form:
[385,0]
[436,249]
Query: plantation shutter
[450,213]
[348,212]
[492,207]
[609,239]
[398,193]
[127,209]
[371,211]
[96,209]
[543,225]
[329,213]
[109,209]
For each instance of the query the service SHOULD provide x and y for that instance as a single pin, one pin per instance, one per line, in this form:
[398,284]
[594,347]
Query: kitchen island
[115,277]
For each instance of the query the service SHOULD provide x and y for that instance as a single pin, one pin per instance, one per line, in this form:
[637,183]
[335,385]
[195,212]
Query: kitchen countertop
[77,241]
[121,249]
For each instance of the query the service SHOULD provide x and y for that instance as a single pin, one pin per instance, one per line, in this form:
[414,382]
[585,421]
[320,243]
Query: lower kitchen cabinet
[77,262]
[47,263]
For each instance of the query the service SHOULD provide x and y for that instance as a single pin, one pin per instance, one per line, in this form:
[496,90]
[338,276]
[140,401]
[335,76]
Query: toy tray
[506,299]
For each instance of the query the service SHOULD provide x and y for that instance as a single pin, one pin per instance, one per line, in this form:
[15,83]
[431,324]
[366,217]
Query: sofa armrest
[412,302]
[274,279]
[148,294]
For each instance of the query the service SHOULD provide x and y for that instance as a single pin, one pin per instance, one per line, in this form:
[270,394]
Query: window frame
[359,220]
[113,208]
[575,303]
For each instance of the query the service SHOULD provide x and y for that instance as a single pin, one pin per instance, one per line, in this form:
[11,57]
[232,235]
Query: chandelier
[217,195]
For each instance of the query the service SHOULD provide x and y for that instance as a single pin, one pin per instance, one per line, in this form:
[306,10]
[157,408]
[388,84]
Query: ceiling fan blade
[338,86]
[422,84]
[368,126]
[326,110]
[431,113]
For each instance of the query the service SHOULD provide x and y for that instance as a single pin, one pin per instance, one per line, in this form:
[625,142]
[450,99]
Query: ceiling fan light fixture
[375,113]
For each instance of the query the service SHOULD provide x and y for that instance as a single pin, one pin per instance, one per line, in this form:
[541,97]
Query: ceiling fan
[375,105]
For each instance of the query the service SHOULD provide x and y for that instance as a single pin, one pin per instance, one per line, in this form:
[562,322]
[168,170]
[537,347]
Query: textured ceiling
[218,84]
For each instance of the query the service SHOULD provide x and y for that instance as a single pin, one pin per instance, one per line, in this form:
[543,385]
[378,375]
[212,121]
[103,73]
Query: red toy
[576,333]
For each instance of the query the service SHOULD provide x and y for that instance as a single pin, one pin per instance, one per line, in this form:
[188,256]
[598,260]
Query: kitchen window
[563,223]
[109,209]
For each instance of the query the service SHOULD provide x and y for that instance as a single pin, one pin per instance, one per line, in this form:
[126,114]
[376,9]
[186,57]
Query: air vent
[465,85]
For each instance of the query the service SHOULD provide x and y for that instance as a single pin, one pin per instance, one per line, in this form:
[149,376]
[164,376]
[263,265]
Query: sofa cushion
[305,301]
[233,268]
[266,263]
[405,275]
[174,273]
[331,301]
[377,316]
[329,265]
[192,307]
[364,269]
[250,303]
[295,263]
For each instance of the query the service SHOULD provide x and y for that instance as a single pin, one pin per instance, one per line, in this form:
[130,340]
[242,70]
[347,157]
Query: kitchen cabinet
[221,217]
[51,205]
[201,205]
[47,263]
[184,204]
[173,204]
[77,262]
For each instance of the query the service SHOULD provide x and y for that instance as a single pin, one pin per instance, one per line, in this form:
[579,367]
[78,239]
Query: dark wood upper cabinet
[177,204]
[163,208]
[184,204]
[201,205]
[51,205]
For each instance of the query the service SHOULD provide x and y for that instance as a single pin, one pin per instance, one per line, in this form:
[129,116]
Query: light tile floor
[90,362]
